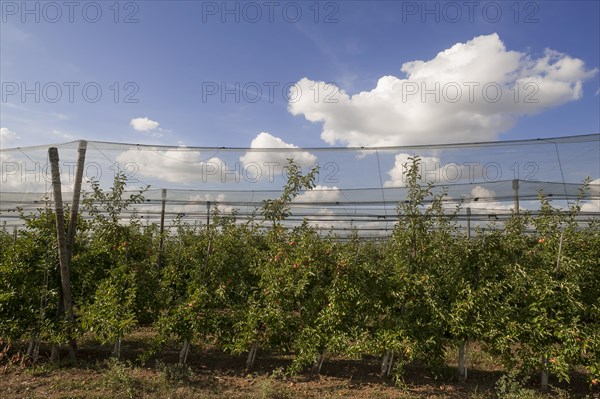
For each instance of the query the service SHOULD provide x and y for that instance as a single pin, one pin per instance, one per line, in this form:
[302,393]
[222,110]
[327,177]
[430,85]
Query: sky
[301,76]
[303,73]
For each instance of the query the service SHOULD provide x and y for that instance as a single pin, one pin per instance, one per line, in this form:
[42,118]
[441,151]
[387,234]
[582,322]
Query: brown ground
[214,374]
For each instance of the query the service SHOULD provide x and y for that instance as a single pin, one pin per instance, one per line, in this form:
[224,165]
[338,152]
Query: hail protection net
[356,188]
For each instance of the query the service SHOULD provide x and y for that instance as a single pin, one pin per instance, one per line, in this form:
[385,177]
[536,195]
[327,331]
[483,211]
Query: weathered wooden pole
[162,227]
[208,237]
[468,223]
[71,231]
[515,186]
[76,196]
[463,349]
[207,214]
[65,275]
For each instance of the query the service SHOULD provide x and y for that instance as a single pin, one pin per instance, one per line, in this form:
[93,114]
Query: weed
[267,390]
[510,386]
[119,378]
[174,373]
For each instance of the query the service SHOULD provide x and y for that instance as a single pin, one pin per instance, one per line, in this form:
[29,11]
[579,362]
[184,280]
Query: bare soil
[214,374]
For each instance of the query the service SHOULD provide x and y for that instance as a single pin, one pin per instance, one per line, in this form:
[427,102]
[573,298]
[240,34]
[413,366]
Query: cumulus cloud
[471,91]
[215,199]
[324,217]
[277,159]
[7,137]
[143,124]
[593,205]
[486,200]
[197,204]
[190,166]
[27,172]
[433,170]
[402,164]
[319,194]
[179,165]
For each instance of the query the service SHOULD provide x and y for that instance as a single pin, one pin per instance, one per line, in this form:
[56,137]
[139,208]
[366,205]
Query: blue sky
[174,55]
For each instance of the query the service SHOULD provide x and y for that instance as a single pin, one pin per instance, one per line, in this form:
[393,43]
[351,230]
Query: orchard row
[533,300]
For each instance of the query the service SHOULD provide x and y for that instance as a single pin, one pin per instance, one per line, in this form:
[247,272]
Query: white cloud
[27,173]
[433,170]
[319,194]
[189,166]
[324,217]
[179,165]
[593,205]
[480,201]
[214,199]
[450,98]
[276,159]
[196,205]
[486,201]
[62,135]
[7,137]
[143,124]
[402,164]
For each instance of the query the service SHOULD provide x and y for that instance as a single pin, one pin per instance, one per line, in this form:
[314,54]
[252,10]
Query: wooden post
[207,213]
[463,348]
[65,274]
[76,197]
[208,237]
[162,227]
[515,186]
[468,223]
[74,215]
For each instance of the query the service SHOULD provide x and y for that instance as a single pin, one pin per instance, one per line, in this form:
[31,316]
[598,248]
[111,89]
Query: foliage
[30,281]
[526,289]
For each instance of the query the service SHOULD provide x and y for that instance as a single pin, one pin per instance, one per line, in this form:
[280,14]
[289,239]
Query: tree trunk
[251,356]
[117,348]
[55,354]
[386,364]
[184,353]
[544,376]
[316,370]
[463,359]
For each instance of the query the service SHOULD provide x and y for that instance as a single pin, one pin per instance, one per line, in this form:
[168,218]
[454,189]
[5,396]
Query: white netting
[356,187]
